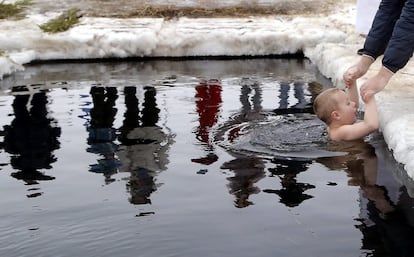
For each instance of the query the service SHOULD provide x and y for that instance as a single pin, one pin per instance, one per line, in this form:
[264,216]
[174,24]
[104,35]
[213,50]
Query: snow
[329,41]
[366,10]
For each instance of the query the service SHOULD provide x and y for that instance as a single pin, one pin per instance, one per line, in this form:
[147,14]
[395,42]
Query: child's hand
[368,98]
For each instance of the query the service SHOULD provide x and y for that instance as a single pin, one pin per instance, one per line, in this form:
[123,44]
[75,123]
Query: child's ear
[335,115]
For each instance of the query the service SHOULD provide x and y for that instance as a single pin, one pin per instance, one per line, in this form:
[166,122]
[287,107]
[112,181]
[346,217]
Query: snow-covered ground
[329,40]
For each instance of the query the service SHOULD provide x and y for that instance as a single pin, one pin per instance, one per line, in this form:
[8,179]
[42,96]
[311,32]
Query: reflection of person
[360,159]
[292,192]
[391,34]
[299,92]
[338,110]
[31,138]
[303,105]
[251,110]
[101,132]
[144,145]
[385,221]
[208,103]
[131,116]
[391,224]
[247,171]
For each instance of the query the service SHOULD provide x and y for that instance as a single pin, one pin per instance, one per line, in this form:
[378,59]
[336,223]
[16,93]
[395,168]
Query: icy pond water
[188,158]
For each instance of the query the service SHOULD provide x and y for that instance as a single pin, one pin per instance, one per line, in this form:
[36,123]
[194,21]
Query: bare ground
[192,9]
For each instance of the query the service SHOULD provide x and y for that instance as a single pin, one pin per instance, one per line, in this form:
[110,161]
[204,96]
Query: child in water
[338,110]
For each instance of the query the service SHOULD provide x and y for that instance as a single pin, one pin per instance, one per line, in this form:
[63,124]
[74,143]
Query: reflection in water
[386,227]
[292,192]
[250,97]
[390,223]
[255,130]
[208,103]
[31,138]
[247,172]
[299,95]
[303,96]
[385,220]
[101,132]
[144,145]
[250,111]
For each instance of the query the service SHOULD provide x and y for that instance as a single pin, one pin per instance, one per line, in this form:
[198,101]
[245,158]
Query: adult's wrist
[385,74]
[367,60]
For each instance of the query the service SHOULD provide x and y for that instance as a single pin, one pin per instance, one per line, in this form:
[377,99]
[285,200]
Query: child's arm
[371,114]
[353,92]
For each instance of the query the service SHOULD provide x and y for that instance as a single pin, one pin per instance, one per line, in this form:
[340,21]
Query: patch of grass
[15,10]
[62,23]
[2,53]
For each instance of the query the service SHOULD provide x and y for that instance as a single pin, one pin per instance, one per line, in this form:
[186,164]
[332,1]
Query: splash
[299,135]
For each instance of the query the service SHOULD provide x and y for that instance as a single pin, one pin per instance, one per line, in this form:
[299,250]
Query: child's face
[346,108]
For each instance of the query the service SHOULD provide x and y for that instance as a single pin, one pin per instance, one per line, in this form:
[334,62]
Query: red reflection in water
[208,103]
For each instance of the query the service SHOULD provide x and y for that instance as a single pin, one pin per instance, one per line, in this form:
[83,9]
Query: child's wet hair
[325,103]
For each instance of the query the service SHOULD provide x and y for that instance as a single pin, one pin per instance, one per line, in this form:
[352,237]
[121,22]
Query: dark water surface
[189,158]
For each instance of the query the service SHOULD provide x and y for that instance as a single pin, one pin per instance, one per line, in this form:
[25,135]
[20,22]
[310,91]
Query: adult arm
[389,11]
[401,44]
[358,70]
[391,34]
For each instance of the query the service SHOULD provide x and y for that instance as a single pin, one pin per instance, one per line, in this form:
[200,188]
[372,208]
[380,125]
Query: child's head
[333,103]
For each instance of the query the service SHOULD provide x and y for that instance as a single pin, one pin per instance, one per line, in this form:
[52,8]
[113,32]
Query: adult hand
[351,75]
[358,70]
[375,84]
